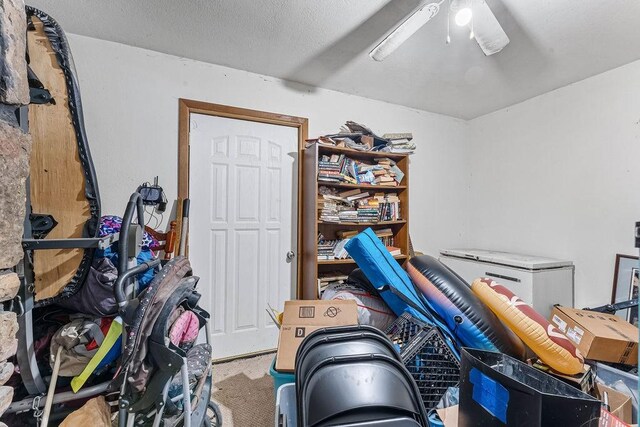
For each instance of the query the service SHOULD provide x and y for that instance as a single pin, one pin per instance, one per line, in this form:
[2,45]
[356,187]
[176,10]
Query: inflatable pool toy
[473,323]
[542,337]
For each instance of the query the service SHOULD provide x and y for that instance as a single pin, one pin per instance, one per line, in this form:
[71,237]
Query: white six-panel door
[242,225]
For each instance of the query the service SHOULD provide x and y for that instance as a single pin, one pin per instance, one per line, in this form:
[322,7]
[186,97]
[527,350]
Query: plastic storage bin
[619,380]
[280,378]
[498,390]
[286,415]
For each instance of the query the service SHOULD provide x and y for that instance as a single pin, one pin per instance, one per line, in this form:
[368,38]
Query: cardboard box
[583,381]
[598,336]
[607,419]
[302,317]
[619,403]
[449,416]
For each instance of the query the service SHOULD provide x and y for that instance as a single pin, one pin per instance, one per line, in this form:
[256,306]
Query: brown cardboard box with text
[301,317]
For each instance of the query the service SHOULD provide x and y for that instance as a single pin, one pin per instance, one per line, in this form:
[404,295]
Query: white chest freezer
[539,281]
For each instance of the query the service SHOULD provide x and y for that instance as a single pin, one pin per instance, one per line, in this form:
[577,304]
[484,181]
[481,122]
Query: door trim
[188,106]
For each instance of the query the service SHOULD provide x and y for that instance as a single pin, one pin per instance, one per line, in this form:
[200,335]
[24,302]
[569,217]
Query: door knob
[290,256]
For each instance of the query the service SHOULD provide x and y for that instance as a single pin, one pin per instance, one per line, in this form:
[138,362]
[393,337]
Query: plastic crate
[280,378]
[428,358]
[403,329]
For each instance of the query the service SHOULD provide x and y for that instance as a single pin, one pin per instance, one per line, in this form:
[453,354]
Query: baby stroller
[163,376]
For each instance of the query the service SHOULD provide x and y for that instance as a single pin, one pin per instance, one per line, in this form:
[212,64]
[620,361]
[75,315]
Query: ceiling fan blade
[487,30]
[407,27]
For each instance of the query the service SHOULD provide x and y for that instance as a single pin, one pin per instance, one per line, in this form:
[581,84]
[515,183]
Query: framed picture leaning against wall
[626,280]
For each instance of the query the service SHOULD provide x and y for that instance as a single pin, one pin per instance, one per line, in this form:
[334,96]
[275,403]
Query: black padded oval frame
[60,45]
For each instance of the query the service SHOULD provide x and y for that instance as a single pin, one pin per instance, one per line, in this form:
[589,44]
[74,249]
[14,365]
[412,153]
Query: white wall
[555,175]
[559,175]
[130,99]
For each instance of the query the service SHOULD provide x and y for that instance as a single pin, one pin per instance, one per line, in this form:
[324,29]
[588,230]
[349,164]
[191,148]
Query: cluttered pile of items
[420,346]
[110,327]
[359,137]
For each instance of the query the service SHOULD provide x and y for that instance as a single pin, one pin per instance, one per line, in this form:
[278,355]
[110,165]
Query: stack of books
[331,249]
[357,206]
[325,249]
[339,252]
[359,137]
[350,215]
[388,207]
[386,236]
[339,169]
[394,251]
[327,210]
[332,169]
[351,140]
[331,205]
[368,214]
[399,143]
[330,278]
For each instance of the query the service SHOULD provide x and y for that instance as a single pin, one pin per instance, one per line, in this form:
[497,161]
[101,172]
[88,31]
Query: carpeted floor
[243,389]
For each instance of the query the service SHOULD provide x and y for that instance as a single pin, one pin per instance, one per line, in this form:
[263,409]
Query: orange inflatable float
[551,346]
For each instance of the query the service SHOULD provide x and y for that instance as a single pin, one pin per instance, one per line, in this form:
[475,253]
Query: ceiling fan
[483,25]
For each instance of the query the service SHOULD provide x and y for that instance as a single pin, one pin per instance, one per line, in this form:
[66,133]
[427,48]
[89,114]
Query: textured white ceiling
[324,43]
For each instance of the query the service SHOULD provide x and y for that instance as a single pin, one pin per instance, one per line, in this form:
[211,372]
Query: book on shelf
[394,251]
[348,193]
[346,234]
[398,136]
[399,149]
[398,175]
[358,196]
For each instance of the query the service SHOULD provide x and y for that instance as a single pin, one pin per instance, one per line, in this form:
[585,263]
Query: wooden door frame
[188,106]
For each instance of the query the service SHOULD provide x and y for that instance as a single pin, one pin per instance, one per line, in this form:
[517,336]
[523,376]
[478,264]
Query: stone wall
[15,147]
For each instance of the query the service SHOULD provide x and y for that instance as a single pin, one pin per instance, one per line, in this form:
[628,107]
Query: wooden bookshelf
[311,267]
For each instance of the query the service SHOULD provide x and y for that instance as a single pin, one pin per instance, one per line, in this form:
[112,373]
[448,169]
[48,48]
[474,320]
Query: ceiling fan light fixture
[420,16]
[463,17]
